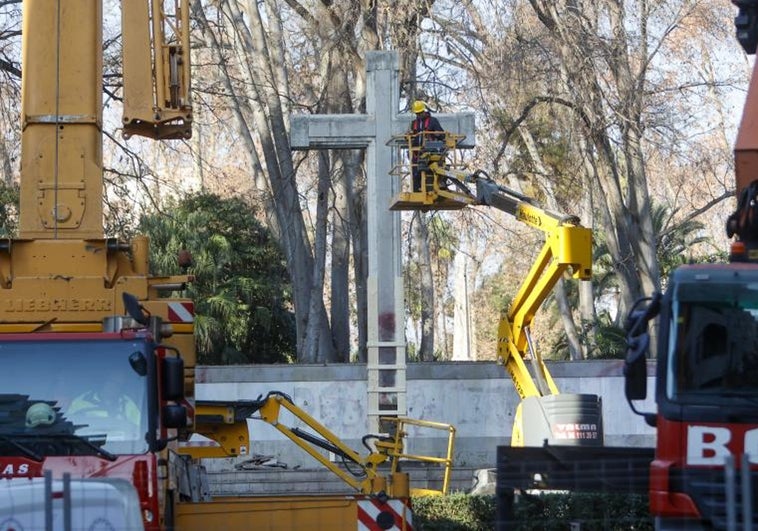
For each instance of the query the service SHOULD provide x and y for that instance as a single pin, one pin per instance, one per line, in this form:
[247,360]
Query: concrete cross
[372,131]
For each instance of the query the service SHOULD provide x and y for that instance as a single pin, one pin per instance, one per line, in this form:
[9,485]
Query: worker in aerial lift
[423,123]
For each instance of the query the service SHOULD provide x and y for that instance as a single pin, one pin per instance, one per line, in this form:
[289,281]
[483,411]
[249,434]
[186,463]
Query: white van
[93,504]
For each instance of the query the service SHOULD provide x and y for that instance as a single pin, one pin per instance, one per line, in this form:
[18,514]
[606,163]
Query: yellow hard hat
[418,106]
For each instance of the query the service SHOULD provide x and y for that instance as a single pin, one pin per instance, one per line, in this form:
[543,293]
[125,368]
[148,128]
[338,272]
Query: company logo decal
[19,469]
[710,445]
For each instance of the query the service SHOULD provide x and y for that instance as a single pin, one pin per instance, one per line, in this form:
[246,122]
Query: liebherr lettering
[56,305]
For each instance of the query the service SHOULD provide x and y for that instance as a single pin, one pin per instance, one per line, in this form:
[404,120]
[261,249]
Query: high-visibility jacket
[123,408]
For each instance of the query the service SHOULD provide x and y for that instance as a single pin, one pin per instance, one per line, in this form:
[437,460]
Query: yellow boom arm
[226,423]
[567,249]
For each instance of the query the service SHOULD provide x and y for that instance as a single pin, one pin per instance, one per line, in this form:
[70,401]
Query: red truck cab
[706,394]
[90,405]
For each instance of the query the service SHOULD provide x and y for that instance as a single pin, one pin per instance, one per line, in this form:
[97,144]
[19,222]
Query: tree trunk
[359,240]
[587,313]
[572,336]
[626,208]
[257,107]
[317,346]
[464,338]
[426,289]
[340,278]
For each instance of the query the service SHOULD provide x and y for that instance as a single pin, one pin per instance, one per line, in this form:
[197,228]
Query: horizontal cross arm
[331,131]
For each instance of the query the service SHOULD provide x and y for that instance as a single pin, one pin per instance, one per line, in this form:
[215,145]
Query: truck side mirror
[133,308]
[635,375]
[174,416]
[172,379]
[635,368]
[638,344]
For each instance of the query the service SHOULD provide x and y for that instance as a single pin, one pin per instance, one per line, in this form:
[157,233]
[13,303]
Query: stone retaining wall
[478,398]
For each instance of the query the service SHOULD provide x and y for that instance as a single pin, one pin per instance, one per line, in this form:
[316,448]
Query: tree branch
[9,67]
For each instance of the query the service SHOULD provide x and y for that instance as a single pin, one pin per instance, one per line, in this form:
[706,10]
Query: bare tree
[606,52]
[10,94]
[250,56]
[602,75]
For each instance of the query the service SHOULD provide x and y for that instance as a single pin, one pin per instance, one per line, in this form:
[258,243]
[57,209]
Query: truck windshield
[713,345]
[58,396]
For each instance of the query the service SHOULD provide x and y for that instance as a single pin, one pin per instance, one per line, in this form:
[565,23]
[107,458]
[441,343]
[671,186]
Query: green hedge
[592,511]
[455,512]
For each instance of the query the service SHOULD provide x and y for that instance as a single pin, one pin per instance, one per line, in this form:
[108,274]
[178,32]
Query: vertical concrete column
[372,131]
[386,340]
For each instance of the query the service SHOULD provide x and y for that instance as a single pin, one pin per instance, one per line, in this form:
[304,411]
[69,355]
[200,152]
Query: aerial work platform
[426,201]
[436,158]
